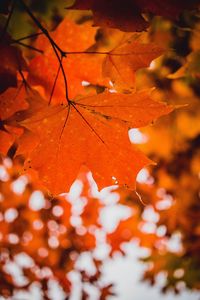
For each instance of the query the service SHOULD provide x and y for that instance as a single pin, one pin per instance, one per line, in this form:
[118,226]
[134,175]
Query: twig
[27,46]
[57,50]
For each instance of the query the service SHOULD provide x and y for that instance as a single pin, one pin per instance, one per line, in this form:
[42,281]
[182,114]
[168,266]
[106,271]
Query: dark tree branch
[57,50]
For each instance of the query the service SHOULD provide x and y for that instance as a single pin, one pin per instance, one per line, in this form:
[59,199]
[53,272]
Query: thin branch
[55,47]
[27,46]
[30,36]
[40,26]
[63,71]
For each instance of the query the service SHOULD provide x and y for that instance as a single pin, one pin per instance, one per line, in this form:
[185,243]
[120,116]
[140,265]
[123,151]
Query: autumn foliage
[78,82]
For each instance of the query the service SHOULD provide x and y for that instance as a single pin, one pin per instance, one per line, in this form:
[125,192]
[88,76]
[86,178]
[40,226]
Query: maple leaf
[126,58]
[91,131]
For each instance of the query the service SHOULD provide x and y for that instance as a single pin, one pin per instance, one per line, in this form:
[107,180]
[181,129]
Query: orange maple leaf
[92,131]
[126,58]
